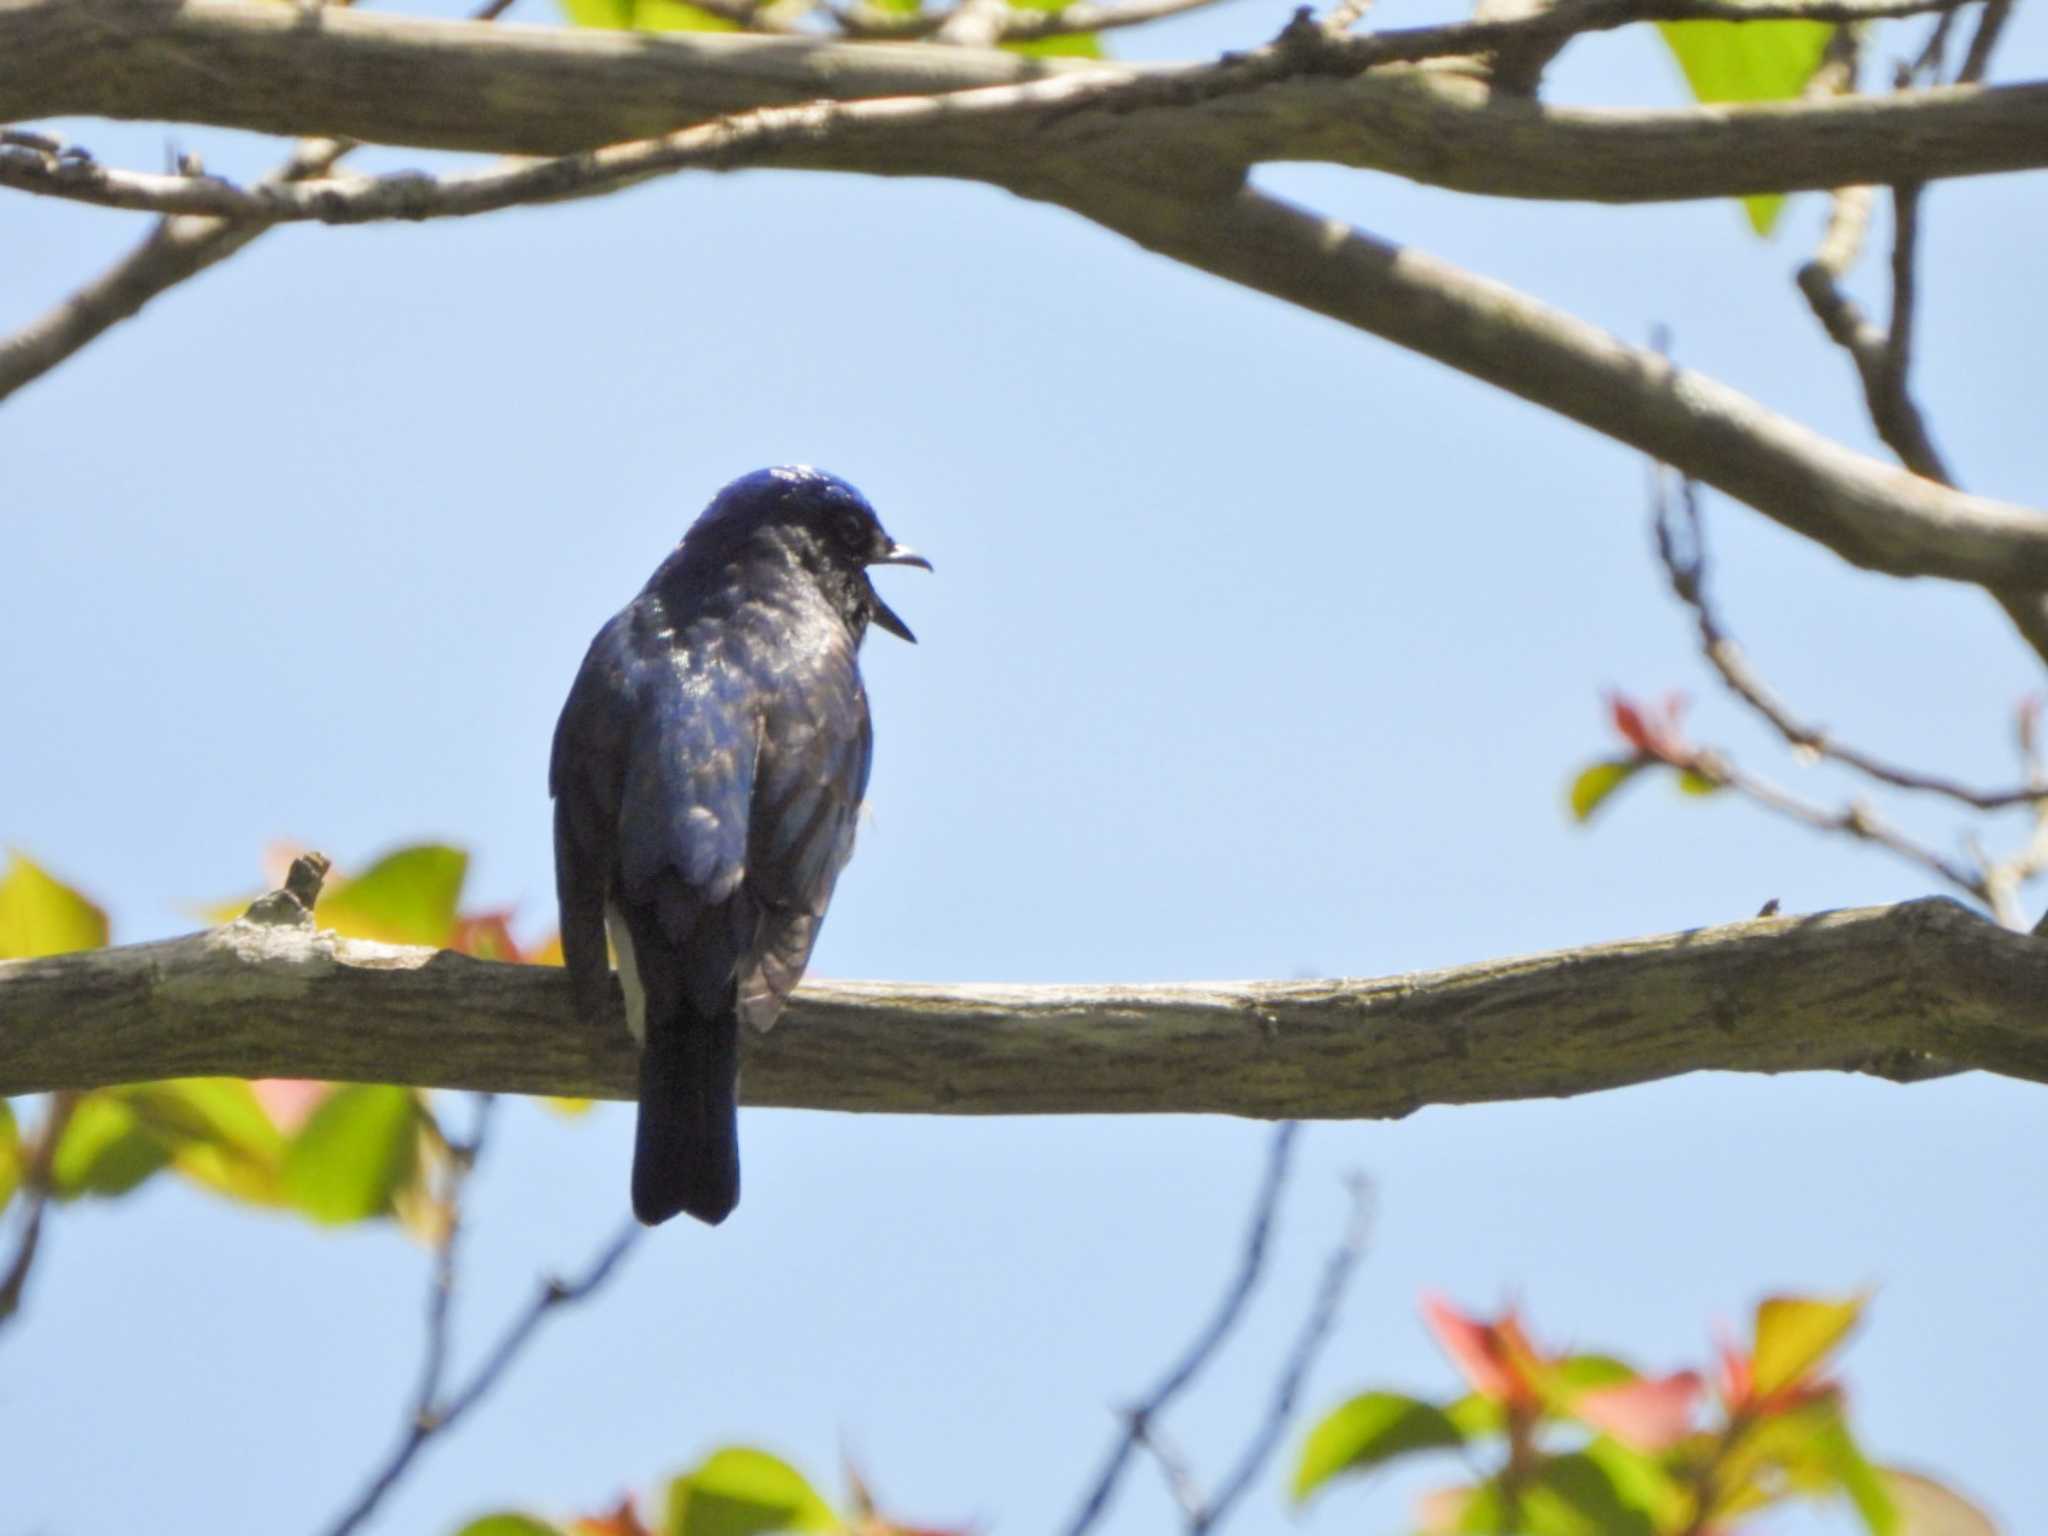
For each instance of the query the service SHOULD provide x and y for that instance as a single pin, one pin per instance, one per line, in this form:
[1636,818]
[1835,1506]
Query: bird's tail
[686,1154]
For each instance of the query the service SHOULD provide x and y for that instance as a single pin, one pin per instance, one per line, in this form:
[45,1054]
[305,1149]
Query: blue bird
[707,773]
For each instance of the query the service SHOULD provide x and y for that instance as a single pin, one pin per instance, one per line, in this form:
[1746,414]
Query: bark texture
[1903,992]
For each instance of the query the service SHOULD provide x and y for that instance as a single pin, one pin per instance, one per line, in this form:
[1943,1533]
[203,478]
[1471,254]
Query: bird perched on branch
[707,773]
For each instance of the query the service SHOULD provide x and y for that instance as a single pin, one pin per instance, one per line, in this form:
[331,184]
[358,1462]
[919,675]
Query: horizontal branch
[1875,990]
[344,72]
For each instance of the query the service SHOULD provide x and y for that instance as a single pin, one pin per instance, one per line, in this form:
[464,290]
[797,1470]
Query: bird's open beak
[902,554]
[884,615]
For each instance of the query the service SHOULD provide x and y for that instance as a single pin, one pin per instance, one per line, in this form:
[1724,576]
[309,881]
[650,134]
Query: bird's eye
[853,530]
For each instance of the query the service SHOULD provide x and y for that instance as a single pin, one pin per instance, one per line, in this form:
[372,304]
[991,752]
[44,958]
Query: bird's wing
[652,772]
[683,819]
[816,749]
[585,770]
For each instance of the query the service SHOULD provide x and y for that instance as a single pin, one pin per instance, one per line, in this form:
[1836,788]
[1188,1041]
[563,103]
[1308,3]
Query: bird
[707,773]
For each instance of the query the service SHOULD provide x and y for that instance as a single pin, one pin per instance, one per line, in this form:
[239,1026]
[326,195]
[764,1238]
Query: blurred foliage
[644,16]
[40,915]
[677,16]
[1584,1445]
[1656,738]
[332,1153]
[737,1491]
[1731,61]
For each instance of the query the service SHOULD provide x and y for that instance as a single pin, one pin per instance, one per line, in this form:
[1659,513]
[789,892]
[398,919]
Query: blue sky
[1255,648]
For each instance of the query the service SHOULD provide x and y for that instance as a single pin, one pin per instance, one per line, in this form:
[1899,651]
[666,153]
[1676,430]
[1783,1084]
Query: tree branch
[1871,514]
[526,90]
[1872,990]
[176,249]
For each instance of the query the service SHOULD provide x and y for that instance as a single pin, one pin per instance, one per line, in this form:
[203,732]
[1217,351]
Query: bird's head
[823,524]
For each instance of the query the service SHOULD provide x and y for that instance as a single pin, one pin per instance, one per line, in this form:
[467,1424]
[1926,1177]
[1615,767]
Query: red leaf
[289,1101]
[488,936]
[622,1521]
[1653,732]
[1628,720]
[1496,1358]
[1652,1414]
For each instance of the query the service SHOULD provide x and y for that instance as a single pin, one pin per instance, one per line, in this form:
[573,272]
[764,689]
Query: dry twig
[1138,1419]
[36,1191]
[434,1414]
[1684,559]
[1315,1332]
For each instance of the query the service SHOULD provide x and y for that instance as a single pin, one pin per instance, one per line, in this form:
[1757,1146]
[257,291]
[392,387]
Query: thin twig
[1882,358]
[176,249]
[1204,1345]
[973,24]
[2004,878]
[1173,1467]
[1856,819]
[1345,15]
[462,1160]
[1315,1332]
[442,1417]
[1977,62]
[36,1190]
[1685,565]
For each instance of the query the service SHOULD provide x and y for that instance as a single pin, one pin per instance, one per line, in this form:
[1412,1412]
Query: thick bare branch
[1869,990]
[526,90]
[1871,514]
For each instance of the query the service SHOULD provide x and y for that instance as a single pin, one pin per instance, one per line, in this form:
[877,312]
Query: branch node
[291,905]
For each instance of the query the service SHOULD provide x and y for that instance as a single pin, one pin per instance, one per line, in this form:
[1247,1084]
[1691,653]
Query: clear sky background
[1256,648]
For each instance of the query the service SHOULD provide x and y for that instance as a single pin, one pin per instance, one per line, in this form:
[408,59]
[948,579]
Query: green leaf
[1573,1495]
[355,1153]
[1581,1373]
[1074,45]
[1806,1451]
[644,16]
[740,1491]
[1794,1334]
[509,1524]
[1476,1416]
[1596,783]
[217,1134]
[1748,61]
[1927,1508]
[407,897]
[41,915]
[1642,1481]
[1692,782]
[104,1149]
[1856,1477]
[1367,1432]
[10,1154]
